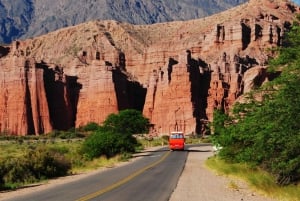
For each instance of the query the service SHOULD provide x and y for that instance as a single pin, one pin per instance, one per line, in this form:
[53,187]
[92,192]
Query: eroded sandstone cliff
[176,73]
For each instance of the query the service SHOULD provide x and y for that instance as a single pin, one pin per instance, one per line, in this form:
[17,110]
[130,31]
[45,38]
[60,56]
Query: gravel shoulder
[197,182]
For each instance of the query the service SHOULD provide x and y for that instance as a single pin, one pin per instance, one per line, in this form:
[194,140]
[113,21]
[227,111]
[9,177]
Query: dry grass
[101,162]
[257,179]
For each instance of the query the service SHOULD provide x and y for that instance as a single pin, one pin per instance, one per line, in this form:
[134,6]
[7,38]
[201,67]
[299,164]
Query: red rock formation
[97,96]
[168,102]
[176,73]
[23,103]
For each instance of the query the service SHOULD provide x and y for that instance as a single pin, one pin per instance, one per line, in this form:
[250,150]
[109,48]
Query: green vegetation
[264,132]
[127,122]
[115,136]
[108,143]
[35,163]
[24,160]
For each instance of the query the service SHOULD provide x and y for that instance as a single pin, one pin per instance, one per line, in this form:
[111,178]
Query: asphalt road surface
[151,178]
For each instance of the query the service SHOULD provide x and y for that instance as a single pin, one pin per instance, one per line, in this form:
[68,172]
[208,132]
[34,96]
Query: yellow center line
[123,181]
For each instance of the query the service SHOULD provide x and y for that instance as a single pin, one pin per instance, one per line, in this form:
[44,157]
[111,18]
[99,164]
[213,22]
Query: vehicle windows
[176,136]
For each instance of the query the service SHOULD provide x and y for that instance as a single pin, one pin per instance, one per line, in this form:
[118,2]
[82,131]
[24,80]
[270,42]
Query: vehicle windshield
[176,136]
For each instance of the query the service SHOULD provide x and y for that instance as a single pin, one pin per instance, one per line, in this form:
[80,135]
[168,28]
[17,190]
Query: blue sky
[296,1]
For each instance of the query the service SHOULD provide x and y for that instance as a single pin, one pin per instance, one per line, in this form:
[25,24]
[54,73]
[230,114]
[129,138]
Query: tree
[128,121]
[115,136]
[108,144]
[267,133]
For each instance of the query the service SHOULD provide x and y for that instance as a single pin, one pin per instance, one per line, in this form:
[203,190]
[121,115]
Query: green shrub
[36,164]
[115,136]
[107,143]
[128,121]
[47,163]
[92,126]
[17,170]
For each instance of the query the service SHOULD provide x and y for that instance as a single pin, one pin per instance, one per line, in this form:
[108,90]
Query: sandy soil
[197,183]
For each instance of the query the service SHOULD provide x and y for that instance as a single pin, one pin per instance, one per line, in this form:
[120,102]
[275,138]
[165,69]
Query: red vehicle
[176,140]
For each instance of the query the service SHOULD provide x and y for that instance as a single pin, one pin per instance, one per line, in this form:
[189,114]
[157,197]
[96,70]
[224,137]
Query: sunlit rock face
[31,18]
[175,73]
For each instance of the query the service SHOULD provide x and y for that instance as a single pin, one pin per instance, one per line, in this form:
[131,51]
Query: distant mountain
[28,18]
[15,18]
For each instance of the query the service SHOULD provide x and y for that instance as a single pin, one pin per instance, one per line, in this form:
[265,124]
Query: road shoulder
[197,182]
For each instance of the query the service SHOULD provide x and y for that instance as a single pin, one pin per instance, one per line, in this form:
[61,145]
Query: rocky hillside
[177,73]
[28,18]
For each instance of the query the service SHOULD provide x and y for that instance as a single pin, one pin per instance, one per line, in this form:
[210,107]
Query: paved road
[156,184]
[196,182]
[151,178]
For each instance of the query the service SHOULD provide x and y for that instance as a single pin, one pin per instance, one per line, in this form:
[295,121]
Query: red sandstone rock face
[168,102]
[97,97]
[23,103]
[82,74]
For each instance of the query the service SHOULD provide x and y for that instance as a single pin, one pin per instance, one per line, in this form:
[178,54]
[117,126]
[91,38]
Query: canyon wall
[175,73]
[23,104]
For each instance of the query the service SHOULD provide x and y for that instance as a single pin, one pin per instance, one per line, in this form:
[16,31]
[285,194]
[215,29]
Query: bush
[37,164]
[17,170]
[47,163]
[92,126]
[107,143]
[115,136]
[128,122]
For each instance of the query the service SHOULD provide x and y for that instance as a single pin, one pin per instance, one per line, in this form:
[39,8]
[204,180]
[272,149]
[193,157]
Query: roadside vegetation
[263,133]
[25,160]
[115,136]
[31,159]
